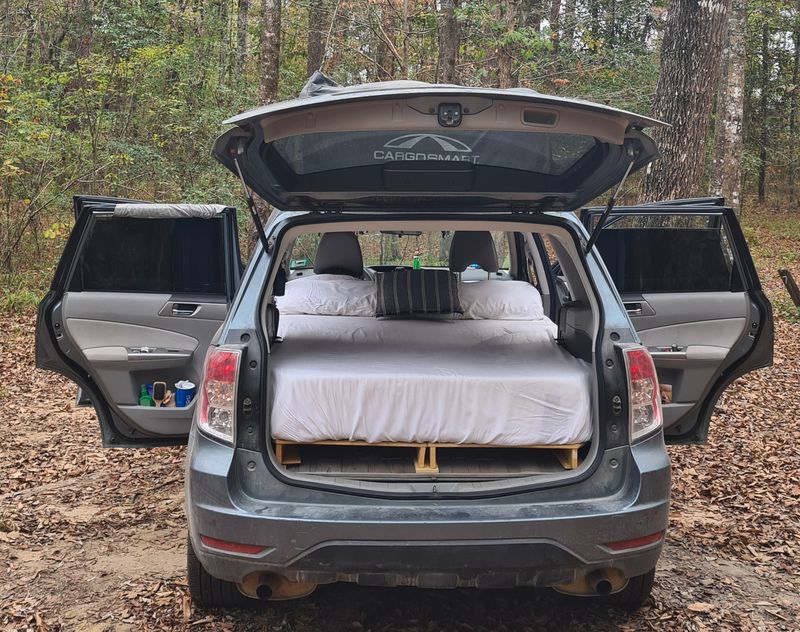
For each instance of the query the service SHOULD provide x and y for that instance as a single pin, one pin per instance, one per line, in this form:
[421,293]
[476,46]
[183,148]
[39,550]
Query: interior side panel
[110,329]
[689,335]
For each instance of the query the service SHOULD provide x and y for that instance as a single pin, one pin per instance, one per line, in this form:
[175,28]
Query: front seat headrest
[472,246]
[339,253]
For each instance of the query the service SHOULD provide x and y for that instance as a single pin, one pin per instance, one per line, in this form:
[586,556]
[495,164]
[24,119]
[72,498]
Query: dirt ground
[94,539]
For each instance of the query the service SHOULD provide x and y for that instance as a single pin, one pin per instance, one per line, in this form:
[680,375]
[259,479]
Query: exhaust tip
[264,592]
[603,587]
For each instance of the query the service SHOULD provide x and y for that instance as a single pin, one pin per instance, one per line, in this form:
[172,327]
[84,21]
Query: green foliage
[126,100]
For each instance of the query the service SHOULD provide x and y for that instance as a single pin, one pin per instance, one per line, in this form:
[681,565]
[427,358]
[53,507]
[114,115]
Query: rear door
[691,290]
[137,296]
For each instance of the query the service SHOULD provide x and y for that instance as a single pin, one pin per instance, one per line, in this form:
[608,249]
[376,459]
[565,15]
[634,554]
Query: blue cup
[184,393]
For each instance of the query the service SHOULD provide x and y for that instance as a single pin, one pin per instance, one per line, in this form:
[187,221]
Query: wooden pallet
[425,461]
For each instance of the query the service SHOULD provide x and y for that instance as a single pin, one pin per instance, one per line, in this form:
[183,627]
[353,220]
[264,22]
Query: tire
[209,592]
[633,595]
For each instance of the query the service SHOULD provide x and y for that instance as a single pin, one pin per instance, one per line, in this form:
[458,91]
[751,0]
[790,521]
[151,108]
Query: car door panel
[704,327]
[112,342]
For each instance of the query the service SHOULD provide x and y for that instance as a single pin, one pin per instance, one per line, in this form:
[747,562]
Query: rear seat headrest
[339,253]
[472,246]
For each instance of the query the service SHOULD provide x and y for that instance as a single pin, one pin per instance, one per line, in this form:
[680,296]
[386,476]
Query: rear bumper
[537,539]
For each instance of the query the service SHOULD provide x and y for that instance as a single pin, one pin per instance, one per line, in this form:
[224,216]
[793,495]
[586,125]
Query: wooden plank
[567,457]
[425,460]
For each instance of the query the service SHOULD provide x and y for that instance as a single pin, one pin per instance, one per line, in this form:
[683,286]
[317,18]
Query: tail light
[644,399]
[217,413]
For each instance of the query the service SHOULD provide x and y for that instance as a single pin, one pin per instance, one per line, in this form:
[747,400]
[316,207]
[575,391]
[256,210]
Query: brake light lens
[217,413]
[644,398]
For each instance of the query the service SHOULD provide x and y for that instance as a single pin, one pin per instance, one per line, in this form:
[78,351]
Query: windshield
[396,248]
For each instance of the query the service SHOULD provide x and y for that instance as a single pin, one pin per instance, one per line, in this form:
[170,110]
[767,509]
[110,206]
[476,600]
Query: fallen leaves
[92,538]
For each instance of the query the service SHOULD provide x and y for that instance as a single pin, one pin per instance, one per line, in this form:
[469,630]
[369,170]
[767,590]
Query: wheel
[210,592]
[633,595]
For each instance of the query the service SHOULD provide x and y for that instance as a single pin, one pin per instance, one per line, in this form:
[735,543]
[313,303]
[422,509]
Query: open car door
[691,290]
[137,296]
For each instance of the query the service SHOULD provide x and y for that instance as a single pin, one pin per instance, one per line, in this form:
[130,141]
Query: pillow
[328,295]
[501,300]
[417,292]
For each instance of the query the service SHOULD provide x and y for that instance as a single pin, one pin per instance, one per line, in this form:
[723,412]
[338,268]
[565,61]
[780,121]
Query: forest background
[125,97]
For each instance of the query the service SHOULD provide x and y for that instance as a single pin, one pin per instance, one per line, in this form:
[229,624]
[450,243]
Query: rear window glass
[538,152]
[152,255]
[668,253]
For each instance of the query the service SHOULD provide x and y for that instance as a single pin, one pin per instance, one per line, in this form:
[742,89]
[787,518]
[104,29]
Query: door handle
[633,309]
[185,310]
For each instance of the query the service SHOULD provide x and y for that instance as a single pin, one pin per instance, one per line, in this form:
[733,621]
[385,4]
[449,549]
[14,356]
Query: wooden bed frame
[425,462]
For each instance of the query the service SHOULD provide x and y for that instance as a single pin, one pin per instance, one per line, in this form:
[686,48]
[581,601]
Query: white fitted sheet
[488,382]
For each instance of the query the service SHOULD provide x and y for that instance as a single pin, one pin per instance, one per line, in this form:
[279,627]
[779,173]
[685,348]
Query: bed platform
[425,459]
[430,386]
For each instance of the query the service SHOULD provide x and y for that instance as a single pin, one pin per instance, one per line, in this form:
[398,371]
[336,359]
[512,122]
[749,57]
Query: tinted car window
[668,253]
[153,255]
[537,152]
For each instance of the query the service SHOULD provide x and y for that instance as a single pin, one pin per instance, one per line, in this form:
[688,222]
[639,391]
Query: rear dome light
[644,398]
[216,415]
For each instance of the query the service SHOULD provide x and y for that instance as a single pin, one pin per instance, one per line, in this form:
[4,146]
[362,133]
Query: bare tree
[269,66]
[317,31]
[507,75]
[224,43]
[793,112]
[448,33]
[766,64]
[270,57]
[555,25]
[690,51]
[568,23]
[387,55]
[726,168]
[242,10]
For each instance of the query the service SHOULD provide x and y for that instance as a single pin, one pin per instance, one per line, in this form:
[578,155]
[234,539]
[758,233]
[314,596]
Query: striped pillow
[409,292]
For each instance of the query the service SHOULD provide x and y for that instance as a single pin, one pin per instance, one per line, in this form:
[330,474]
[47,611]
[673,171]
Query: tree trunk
[763,136]
[269,62]
[568,23]
[448,36]
[270,56]
[690,51]
[555,25]
[793,113]
[317,34]
[241,35]
[224,44]
[386,59]
[405,32]
[507,76]
[726,168]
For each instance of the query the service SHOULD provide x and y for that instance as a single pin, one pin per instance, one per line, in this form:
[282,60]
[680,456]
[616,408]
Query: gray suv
[432,371]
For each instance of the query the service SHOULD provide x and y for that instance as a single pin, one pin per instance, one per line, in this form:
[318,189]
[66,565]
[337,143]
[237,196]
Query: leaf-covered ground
[93,539]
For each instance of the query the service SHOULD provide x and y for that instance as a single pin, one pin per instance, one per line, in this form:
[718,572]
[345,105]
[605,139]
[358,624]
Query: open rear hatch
[405,145]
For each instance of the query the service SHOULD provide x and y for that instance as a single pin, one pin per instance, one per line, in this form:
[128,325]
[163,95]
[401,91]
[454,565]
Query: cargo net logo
[426,147]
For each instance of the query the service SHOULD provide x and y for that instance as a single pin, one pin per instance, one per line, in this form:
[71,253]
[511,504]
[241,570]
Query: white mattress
[490,382]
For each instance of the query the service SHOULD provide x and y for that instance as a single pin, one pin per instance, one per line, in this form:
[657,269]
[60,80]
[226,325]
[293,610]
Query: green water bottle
[416,264]
[144,398]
